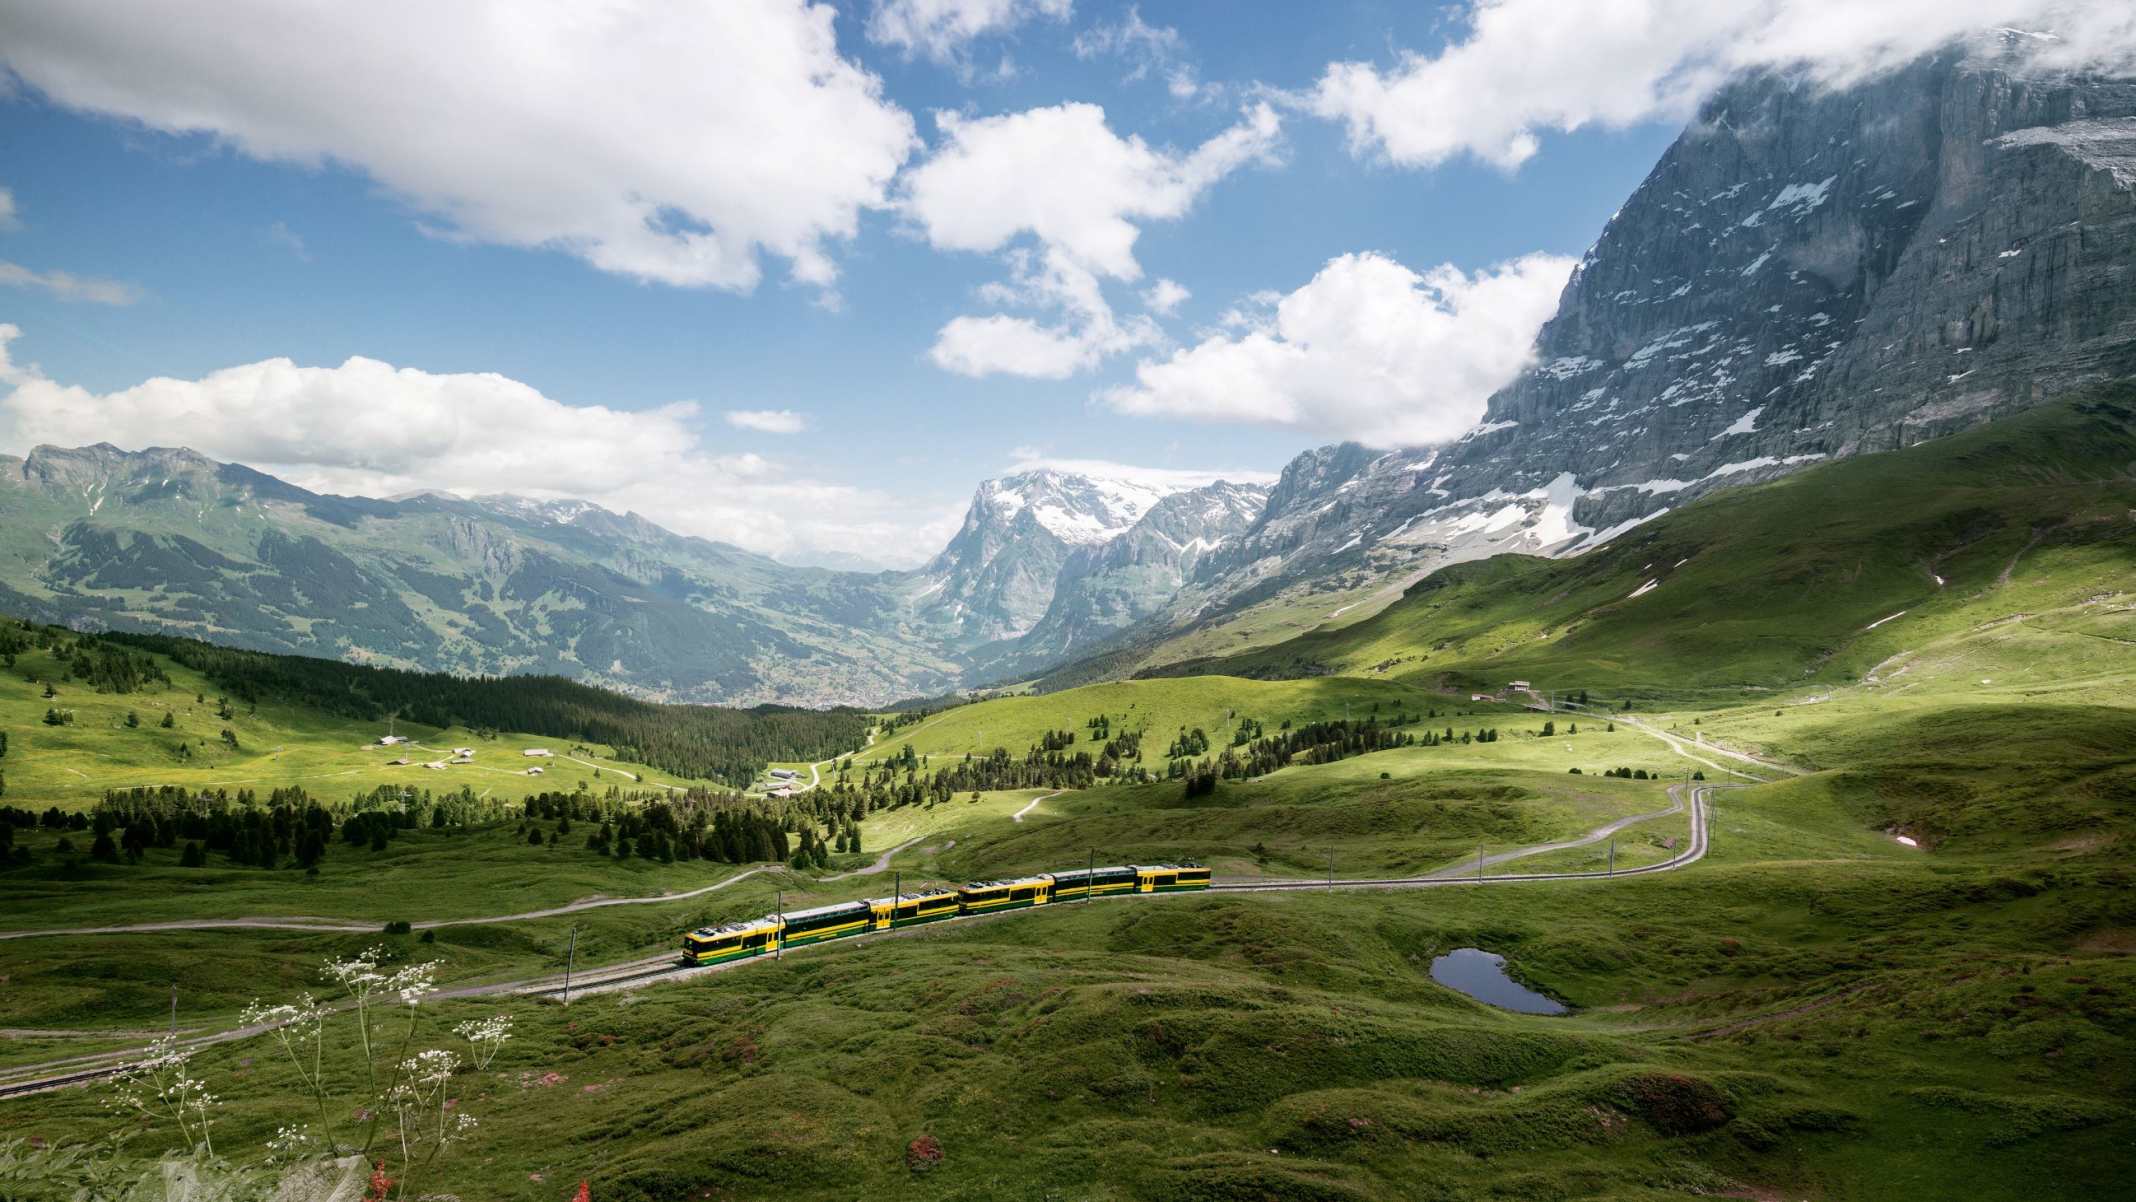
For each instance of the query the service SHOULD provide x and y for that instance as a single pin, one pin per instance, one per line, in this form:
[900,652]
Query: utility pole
[1612,857]
[174,1009]
[570,962]
[1331,870]
[1479,862]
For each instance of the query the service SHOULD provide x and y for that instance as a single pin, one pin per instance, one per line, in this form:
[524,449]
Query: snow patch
[1746,424]
[1643,589]
[1881,621]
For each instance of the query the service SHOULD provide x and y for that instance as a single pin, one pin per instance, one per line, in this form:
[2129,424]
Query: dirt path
[325,924]
[1019,815]
[881,864]
[1471,867]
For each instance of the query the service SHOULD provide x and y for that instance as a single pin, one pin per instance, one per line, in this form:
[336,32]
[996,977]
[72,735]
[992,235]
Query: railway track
[643,971]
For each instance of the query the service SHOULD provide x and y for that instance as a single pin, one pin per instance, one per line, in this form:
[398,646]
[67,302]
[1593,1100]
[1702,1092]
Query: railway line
[639,973]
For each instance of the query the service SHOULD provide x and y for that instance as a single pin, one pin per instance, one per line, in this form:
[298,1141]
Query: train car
[1077,884]
[988,897]
[825,922]
[1170,878]
[911,909]
[734,941]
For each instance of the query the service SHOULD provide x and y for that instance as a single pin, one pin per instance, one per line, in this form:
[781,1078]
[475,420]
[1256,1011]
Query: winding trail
[348,926]
[881,864]
[1470,867]
[1018,816]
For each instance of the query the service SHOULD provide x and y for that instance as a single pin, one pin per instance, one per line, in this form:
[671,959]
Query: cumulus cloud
[1165,296]
[372,429]
[1059,195]
[1366,350]
[1521,68]
[69,287]
[8,219]
[942,29]
[674,141]
[767,421]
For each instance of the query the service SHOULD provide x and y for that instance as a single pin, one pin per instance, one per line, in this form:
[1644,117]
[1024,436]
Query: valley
[1674,736]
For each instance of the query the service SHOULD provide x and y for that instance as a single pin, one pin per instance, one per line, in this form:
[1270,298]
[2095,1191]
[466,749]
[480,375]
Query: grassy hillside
[1157,708]
[316,723]
[277,744]
[1815,1011]
[1814,578]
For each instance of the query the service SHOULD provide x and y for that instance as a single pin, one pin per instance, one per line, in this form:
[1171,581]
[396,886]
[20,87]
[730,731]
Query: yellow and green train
[759,936]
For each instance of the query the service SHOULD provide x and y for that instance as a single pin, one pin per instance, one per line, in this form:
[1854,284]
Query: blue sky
[218,198]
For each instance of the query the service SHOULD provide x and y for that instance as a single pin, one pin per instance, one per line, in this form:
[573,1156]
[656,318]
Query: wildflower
[289,1144]
[380,1184]
[485,1036]
[414,983]
[159,1086]
[583,1195]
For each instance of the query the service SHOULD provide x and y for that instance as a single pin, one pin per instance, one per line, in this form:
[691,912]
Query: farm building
[465,753]
[538,753]
[391,740]
[399,763]
[536,770]
[784,773]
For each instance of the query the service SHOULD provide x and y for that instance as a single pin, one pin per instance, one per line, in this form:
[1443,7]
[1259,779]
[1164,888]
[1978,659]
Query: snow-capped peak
[1077,509]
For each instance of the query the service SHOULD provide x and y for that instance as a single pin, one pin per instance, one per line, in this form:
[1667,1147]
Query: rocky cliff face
[996,577]
[1107,587]
[1806,273]
[1810,273]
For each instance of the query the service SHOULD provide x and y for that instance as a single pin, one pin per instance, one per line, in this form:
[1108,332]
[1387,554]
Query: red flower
[380,1184]
[584,1194]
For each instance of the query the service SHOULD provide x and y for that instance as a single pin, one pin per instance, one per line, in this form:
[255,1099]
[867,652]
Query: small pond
[1482,975]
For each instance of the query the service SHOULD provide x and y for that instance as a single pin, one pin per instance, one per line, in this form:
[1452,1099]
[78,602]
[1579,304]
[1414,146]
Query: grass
[1158,708]
[73,765]
[1810,1013]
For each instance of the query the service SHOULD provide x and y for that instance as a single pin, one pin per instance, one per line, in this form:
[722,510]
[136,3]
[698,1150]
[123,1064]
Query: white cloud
[372,429]
[1165,296]
[1149,50]
[1367,350]
[69,287]
[1520,68]
[767,421]
[8,218]
[673,142]
[941,29]
[1061,179]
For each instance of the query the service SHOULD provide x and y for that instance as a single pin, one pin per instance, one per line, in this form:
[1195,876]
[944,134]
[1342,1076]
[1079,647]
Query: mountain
[1807,274]
[1108,586]
[1831,576]
[996,578]
[168,540]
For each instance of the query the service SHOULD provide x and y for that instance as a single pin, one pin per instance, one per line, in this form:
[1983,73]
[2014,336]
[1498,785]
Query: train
[798,928]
